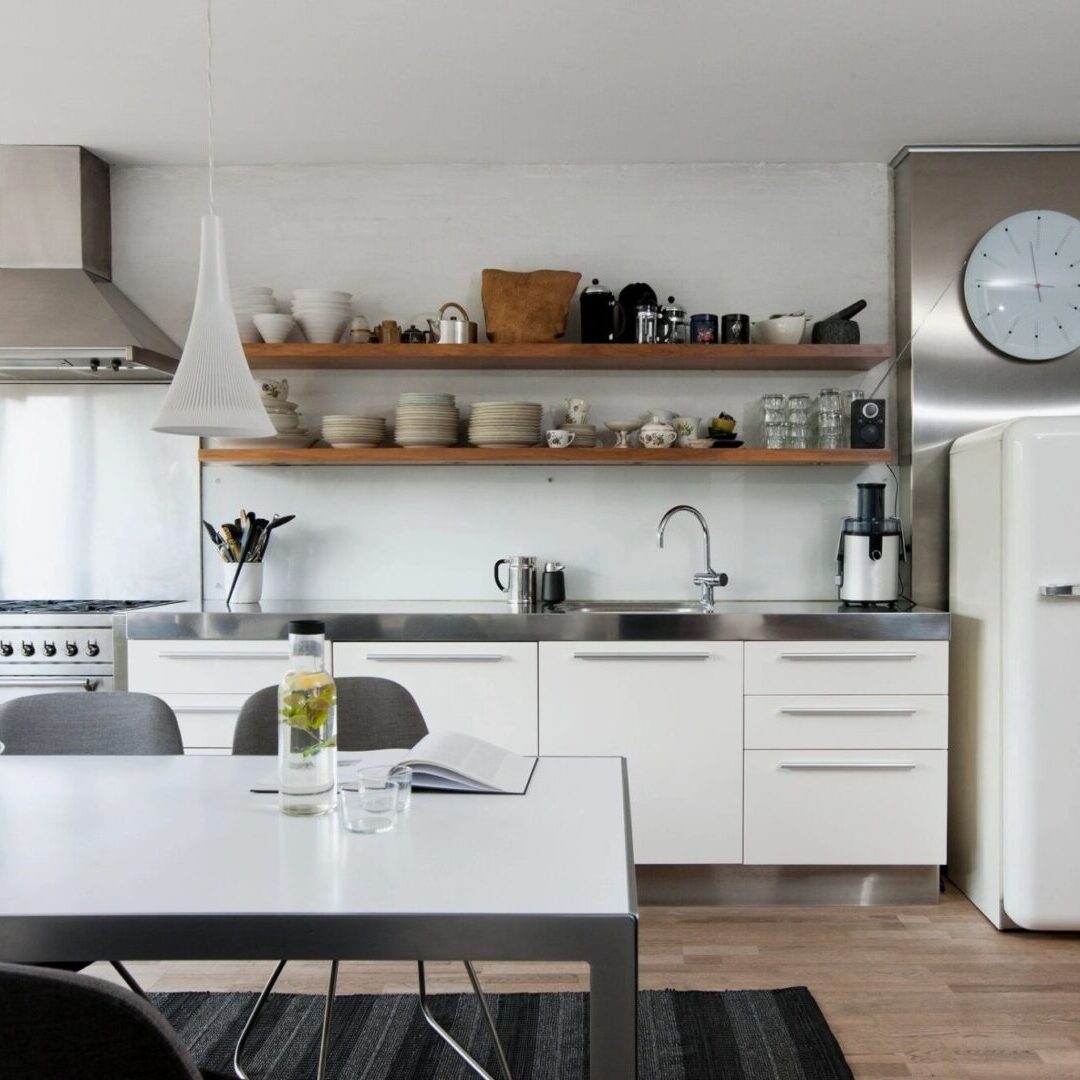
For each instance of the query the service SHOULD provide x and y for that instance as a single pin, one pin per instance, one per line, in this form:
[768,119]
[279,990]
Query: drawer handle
[848,656]
[267,655]
[642,655]
[47,683]
[900,766]
[441,658]
[847,710]
[1067,591]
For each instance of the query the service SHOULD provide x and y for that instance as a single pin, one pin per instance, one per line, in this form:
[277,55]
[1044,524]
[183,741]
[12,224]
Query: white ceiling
[539,81]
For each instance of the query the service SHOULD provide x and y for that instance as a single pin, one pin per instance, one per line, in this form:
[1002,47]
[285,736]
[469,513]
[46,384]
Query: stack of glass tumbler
[798,422]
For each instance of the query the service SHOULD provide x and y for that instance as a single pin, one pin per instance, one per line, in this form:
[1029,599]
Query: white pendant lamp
[212,392]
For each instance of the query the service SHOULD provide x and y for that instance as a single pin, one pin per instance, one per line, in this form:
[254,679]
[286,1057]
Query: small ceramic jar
[657,436]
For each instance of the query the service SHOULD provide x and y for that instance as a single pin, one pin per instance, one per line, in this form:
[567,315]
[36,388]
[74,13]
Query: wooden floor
[909,991]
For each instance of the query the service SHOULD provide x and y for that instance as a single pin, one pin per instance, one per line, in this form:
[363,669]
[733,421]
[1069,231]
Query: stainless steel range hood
[61,317]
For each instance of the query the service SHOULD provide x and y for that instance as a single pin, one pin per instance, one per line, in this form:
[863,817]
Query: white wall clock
[1022,285]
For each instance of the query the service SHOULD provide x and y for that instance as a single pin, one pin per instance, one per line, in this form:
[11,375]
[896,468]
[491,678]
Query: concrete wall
[403,239]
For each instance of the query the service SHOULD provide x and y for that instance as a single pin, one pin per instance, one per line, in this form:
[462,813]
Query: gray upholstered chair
[372,714]
[56,1026]
[104,722]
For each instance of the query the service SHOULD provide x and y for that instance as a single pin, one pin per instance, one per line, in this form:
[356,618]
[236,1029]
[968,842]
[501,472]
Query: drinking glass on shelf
[831,423]
[773,416]
[772,401]
[798,435]
[833,440]
[776,436]
[798,404]
[828,401]
[847,399]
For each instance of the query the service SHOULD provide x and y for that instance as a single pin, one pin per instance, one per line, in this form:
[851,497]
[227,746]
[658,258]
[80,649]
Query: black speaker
[868,424]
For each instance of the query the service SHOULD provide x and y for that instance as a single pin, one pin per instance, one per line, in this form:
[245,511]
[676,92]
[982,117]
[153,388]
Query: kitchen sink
[635,607]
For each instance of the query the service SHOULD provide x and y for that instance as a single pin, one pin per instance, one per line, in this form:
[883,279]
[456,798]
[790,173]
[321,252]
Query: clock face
[1022,285]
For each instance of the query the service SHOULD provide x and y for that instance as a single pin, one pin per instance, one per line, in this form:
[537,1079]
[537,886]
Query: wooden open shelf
[541,455]
[561,356]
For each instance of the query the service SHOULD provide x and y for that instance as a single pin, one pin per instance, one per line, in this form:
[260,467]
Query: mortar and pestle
[839,328]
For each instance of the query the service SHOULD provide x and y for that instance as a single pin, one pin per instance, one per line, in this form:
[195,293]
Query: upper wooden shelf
[540,455]
[566,356]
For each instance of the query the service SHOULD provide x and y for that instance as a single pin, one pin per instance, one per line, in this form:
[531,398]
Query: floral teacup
[275,389]
[686,427]
[559,440]
[577,411]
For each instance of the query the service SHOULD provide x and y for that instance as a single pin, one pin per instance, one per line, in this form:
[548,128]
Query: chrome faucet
[708,579]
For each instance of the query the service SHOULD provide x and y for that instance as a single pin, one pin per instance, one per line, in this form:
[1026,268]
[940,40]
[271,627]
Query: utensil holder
[248,585]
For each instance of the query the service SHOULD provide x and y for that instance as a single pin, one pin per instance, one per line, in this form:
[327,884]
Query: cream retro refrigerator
[1014,559]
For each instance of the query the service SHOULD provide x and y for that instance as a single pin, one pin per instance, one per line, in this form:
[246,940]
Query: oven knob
[6,648]
[71,648]
[49,648]
[28,648]
[92,648]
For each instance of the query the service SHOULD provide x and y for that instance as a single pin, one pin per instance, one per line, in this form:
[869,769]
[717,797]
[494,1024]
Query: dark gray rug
[734,1035]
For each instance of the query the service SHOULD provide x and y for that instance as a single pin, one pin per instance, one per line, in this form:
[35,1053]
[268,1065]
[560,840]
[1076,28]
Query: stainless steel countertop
[441,620]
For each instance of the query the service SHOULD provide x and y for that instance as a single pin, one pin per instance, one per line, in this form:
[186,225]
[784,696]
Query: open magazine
[452,761]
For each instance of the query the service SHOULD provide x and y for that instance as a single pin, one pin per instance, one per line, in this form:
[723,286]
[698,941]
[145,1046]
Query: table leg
[613,1001]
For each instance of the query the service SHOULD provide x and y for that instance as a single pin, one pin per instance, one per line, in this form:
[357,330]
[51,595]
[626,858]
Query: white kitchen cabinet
[205,682]
[486,689]
[674,711]
[846,807]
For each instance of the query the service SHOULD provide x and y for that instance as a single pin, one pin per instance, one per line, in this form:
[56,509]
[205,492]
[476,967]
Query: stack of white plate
[505,423]
[249,301]
[323,314]
[584,434]
[426,420]
[353,431]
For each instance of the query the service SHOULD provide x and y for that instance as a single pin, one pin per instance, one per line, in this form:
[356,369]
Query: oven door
[14,686]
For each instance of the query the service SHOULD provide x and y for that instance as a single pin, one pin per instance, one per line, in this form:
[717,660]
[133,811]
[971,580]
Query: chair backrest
[372,714]
[57,1026]
[102,722]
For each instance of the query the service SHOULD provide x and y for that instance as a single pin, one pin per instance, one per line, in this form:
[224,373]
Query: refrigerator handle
[1060,590]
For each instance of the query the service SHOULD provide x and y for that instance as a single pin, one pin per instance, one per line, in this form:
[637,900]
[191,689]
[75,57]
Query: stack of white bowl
[353,431]
[426,420]
[505,423]
[249,301]
[584,434]
[323,314]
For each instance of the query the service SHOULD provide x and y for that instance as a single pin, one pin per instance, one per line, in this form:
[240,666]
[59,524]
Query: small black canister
[553,584]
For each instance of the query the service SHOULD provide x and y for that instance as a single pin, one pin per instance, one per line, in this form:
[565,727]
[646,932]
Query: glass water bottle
[307,724]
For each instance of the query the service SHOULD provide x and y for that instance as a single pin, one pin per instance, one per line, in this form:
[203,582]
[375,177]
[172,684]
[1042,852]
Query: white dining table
[174,858]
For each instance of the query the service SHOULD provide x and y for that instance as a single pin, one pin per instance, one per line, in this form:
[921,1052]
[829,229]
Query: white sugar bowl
[657,436]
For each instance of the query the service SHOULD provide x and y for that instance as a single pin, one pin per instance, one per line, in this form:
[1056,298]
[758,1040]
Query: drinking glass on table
[402,775]
[373,806]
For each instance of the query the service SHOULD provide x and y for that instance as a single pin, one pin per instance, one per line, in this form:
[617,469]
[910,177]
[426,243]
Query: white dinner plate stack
[426,420]
[353,432]
[249,301]
[323,314]
[584,434]
[505,423]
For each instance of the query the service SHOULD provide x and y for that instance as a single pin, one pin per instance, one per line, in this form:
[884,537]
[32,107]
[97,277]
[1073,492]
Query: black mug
[735,329]
[704,329]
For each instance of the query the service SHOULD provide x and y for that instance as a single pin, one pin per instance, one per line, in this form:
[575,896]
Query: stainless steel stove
[51,645]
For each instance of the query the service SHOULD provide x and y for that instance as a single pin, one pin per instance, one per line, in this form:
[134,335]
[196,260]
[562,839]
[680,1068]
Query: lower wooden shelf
[541,455]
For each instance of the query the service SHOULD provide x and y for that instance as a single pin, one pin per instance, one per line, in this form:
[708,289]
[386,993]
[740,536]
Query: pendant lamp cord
[210,101]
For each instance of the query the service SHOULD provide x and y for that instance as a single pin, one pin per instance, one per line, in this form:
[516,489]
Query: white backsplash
[405,238]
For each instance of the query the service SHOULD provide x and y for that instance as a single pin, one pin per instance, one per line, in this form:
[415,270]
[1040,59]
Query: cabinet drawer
[211,667]
[486,689]
[847,667]
[206,720]
[845,807]
[848,722]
